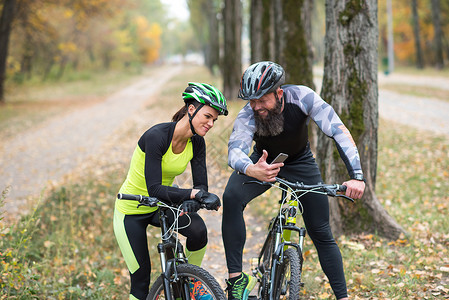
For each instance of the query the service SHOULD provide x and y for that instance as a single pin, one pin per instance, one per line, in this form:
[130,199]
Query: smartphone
[280,158]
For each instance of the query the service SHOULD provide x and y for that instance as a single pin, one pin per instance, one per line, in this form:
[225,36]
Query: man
[276,119]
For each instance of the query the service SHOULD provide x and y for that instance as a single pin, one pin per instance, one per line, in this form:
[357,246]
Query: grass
[412,184]
[65,248]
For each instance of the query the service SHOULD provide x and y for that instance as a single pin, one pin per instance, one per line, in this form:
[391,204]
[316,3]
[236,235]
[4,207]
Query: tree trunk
[232,61]
[293,44]
[307,14]
[278,33]
[256,32]
[350,86]
[7,16]
[214,51]
[416,33]
[267,31]
[306,17]
[438,37]
[209,35]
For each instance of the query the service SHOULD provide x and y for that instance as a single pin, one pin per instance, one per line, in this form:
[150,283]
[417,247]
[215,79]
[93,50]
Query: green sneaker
[240,287]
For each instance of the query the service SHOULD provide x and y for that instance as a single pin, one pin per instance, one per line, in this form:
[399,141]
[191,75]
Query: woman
[162,153]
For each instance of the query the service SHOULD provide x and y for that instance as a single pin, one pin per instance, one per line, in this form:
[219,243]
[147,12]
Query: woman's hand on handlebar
[355,188]
[201,199]
[190,206]
[262,170]
[208,200]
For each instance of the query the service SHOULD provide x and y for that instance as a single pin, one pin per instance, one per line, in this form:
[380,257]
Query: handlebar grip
[121,196]
[341,188]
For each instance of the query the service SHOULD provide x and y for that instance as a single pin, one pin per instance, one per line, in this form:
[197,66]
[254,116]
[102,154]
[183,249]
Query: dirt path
[423,113]
[40,158]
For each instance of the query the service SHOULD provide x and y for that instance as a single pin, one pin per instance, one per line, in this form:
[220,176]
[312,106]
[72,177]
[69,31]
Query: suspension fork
[169,259]
[292,214]
[161,248]
[276,257]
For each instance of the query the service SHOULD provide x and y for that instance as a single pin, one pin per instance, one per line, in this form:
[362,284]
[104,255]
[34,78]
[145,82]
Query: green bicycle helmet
[206,94]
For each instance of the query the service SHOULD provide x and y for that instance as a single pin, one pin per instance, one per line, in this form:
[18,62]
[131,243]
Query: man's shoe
[240,287]
[198,292]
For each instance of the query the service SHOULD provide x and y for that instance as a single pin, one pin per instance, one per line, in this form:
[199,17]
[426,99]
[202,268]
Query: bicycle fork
[283,240]
[169,259]
[290,225]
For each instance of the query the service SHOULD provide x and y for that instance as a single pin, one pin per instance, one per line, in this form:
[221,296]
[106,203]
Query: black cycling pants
[316,218]
[130,231]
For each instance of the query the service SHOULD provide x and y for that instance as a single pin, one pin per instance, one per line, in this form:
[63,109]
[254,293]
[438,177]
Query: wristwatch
[359,176]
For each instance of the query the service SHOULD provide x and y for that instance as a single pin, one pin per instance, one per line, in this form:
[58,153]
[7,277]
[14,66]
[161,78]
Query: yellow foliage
[67,48]
[12,66]
[404,39]
[148,39]
[68,13]
[124,42]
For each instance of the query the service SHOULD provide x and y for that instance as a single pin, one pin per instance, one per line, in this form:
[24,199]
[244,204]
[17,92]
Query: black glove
[190,206]
[209,200]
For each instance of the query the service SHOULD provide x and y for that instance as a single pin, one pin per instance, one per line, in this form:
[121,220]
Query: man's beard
[272,124]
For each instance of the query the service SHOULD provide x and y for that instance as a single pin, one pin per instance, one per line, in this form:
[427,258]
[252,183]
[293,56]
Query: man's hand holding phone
[264,171]
[279,159]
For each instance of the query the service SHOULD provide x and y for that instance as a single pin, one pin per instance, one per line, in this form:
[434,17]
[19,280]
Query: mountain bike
[178,277]
[278,268]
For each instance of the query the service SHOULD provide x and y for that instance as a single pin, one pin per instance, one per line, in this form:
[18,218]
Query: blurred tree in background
[232,57]
[433,22]
[45,39]
[204,17]
[49,38]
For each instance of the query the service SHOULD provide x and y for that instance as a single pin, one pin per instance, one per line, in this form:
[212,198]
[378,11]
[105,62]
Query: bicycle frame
[280,230]
[171,252]
[278,241]
[177,274]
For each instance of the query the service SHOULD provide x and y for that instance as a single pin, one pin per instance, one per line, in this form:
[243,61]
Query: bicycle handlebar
[143,200]
[328,189]
[146,200]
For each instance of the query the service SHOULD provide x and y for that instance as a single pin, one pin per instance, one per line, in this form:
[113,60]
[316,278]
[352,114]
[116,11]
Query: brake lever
[147,201]
[344,196]
[144,203]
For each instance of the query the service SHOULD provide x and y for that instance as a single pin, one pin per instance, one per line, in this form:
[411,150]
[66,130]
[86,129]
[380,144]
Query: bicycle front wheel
[198,281]
[288,276]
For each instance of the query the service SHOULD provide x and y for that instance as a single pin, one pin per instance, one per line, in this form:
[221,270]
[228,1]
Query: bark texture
[438,37]
[294,44]
[6,19]
[232,61]
[350,86]
[416,33]
[256,32]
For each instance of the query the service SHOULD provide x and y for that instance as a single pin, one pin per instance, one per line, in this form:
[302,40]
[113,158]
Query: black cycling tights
[135,227]
[316,219]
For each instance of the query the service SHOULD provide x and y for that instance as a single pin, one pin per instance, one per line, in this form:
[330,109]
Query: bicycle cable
[175,226]
[291,193]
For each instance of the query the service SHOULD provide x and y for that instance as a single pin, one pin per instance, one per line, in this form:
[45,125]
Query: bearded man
[276,119]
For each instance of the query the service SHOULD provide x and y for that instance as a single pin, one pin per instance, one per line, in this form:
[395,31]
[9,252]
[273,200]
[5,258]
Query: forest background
[51,38]
[75,53]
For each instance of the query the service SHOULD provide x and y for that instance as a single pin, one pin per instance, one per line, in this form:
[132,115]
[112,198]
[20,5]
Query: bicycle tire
[188,272]
[288,276]
[265,266]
